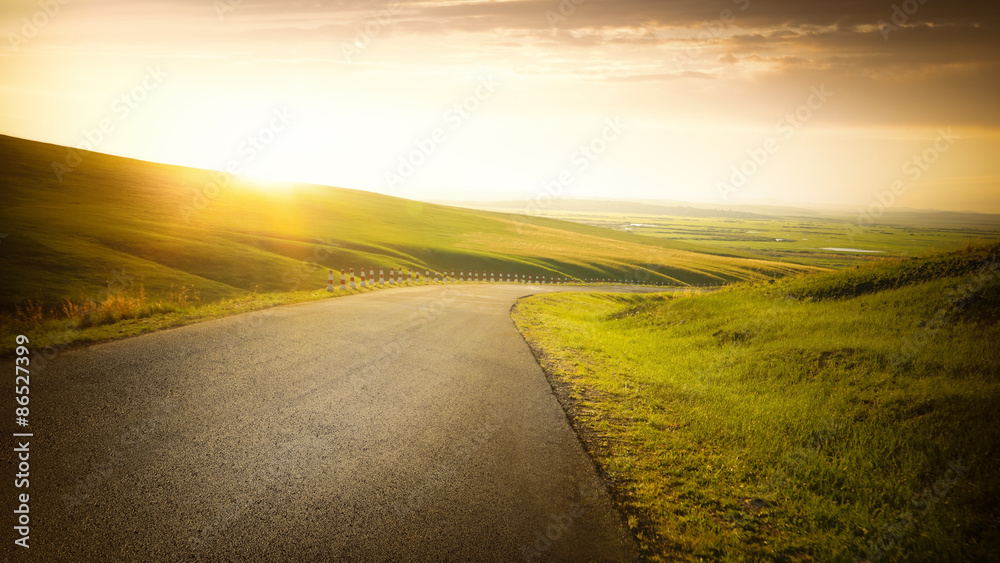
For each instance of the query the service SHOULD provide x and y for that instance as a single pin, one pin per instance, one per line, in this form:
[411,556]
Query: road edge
[589,441]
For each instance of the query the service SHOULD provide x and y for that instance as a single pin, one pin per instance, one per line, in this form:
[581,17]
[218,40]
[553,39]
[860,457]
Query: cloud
[660,77]
[941,63]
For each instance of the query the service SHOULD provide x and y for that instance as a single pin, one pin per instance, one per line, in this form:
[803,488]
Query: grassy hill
[110,238]
[171,226]
[852,415]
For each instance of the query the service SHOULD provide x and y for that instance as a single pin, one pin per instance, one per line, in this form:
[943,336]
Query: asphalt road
[410,424]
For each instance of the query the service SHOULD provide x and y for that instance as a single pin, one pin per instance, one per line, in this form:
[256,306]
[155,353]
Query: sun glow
[264,184]
[268,93]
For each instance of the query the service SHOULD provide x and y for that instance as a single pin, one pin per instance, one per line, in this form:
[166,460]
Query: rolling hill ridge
[219,236]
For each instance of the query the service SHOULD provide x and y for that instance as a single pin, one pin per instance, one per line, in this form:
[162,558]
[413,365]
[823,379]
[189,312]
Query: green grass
[112,222]
[125,312]
[801,240]
[830,417]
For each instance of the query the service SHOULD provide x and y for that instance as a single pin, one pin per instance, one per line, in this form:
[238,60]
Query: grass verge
[127,312]
[837,417]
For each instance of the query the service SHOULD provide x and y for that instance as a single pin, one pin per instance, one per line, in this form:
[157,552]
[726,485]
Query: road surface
[404,425]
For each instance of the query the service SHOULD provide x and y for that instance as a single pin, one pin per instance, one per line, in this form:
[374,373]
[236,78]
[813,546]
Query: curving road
[409,424]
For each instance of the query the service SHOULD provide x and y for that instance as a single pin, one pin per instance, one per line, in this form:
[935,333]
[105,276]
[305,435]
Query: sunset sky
[817,102]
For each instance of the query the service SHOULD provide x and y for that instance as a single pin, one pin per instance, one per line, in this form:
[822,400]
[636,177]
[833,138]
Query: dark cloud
[894,60]
[833,32]
[534,14]
[941,50]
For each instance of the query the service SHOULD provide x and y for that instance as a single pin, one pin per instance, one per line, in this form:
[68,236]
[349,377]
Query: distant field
[803,240]
[847,416]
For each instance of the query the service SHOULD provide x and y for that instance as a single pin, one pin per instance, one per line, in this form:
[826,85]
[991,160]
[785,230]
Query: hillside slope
[111,218]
